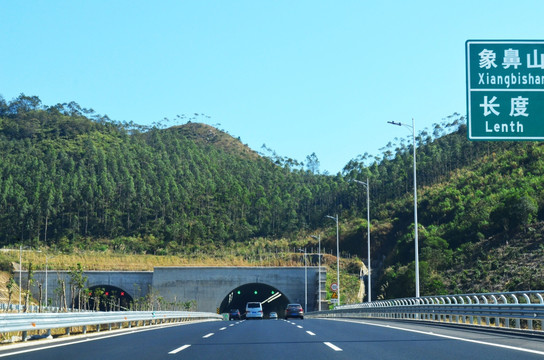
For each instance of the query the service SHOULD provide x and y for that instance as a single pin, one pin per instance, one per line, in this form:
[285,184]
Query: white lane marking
[207,335]
[179,349]
[223,328]
[332,346]
[298,326]
[231,325]
[310,333]
[451,337]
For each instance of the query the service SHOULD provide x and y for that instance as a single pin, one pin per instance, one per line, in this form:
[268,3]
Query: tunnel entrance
[270,297]
[107,298]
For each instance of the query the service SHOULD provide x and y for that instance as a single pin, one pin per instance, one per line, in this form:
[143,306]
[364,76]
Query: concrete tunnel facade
[209,287]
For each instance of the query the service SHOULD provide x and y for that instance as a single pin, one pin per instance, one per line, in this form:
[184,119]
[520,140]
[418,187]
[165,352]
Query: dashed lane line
[332,346]
[178,349]
[204,337]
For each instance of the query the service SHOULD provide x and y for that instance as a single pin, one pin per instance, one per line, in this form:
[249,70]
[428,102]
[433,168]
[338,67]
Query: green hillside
[479,213]
[67,178]
[72,181]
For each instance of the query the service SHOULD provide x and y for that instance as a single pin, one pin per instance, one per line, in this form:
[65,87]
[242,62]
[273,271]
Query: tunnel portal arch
[271,298]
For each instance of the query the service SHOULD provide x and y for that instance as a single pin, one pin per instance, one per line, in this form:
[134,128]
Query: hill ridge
[99,185]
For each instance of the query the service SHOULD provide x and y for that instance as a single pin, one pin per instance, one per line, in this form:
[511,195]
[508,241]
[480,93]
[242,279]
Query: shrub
[5,263]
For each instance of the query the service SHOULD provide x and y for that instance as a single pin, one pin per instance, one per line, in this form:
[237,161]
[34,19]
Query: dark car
[234,314]
[294,311]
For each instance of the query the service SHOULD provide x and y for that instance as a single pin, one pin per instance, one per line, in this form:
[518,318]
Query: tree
[77,284]
[10,285]
[23,104]
[40,295]
[98,294]
[514,211]
[61,291]
[29,282]
[312,163]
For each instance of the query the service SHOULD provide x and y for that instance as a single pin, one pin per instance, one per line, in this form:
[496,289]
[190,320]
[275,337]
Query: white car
[254,310]
[273,315]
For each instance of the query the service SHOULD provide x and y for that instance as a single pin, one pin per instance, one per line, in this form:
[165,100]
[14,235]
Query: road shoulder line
[443,336]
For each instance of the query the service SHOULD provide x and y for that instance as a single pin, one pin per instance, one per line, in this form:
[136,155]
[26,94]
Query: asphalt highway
[280,339]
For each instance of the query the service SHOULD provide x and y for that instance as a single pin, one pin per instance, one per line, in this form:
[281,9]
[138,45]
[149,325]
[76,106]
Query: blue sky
[298,76]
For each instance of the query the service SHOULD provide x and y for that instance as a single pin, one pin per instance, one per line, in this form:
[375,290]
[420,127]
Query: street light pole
[20,271]
[305,281]
[367,185]
[318,237]
[413,127]
[46,281]
[337,256]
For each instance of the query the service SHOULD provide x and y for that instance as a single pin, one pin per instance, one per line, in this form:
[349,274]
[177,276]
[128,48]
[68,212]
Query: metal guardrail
[520,309]
[24,322]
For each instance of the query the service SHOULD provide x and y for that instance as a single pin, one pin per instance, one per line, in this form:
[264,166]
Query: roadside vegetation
[85,189]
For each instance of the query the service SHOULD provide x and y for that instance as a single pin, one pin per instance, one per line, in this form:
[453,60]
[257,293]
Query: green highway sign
[505,89]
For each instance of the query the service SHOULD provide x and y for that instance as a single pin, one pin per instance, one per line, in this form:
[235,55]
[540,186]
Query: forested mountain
[479,212]
[66,176]
[69,177]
